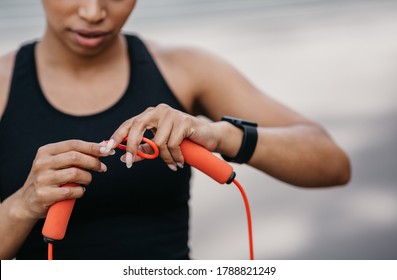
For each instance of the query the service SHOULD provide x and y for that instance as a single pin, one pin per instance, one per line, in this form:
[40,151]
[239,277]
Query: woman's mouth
[89,38]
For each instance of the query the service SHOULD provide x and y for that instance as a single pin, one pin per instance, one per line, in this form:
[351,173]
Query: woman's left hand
[169,127]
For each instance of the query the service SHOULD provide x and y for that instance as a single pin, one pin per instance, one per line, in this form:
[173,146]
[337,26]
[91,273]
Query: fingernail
[128,159]
[109,145]
[180,165]
[103,167]
[84,189]
[122,158]
[172,167]
[102,150]
[112,152]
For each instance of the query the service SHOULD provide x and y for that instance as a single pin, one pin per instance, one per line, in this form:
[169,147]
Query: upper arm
[207,85]
[6,66]
[223,90]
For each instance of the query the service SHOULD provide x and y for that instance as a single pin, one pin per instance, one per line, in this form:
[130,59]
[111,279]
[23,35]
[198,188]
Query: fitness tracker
[250,138]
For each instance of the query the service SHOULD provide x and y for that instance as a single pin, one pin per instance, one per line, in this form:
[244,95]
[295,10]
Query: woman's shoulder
[181,55]
[6,69]
[194,74]
[195,63]
[184,68]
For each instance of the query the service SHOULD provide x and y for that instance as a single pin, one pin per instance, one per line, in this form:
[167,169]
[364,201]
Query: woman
[63,94]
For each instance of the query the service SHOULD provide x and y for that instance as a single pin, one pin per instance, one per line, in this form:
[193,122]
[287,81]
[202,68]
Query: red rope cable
[50,251]
[249,222]
[248,211]
[246,203]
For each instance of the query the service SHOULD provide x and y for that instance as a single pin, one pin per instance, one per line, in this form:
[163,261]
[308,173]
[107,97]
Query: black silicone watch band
[248,144]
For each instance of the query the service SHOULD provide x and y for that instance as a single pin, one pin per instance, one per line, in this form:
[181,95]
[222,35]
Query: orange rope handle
[249,221]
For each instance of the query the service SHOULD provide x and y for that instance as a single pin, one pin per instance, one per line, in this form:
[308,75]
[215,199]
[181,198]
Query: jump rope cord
[249,221]
[50,251]
[239,186]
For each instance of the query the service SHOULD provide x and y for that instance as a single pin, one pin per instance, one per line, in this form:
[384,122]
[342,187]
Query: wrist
[230,139]
[248,142]
[16,211]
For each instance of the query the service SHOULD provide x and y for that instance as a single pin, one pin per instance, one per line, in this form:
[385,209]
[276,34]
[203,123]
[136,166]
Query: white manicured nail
[172,167]
[122,158]
[128,159]
[109,146]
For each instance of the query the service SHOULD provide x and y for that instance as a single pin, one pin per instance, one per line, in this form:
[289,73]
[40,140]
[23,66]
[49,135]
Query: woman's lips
[87,38]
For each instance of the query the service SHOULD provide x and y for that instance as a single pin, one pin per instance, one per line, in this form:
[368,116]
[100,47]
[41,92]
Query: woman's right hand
[55,165]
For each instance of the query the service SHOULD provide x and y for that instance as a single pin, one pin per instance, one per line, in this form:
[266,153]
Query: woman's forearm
[302,154]
[15,226]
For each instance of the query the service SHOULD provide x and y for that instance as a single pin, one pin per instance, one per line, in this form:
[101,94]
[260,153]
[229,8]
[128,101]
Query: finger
[88,148]
[141,123]
[161,139]
[181,130]
[123,131]
[50,195]
[72,192]
[67,175]
[144,148]
[136,158]
[119,135]
[77,159]
[174,148]
[103,149]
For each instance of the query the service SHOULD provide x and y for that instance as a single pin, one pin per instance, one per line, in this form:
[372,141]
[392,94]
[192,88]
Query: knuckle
[88,179]
[43,150]
[140,122]
[175,151]
[138,119]
[163,106]
[93,149]
[186,120]
[74,156]
[39,163]
[73,173]
[162,145]
[167,158]
[40,195]
[126,123]
[172,146]
[40,180]
[74,144]
[148,109]
[67,193]
[118,134]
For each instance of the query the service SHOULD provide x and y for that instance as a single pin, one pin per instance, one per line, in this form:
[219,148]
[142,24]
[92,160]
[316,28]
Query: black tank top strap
[22,79]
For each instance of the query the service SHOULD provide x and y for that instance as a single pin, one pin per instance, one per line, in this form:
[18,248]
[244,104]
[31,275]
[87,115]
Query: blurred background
[334,62]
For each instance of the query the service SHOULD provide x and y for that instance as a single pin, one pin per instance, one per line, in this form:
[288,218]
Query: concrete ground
[333,61]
